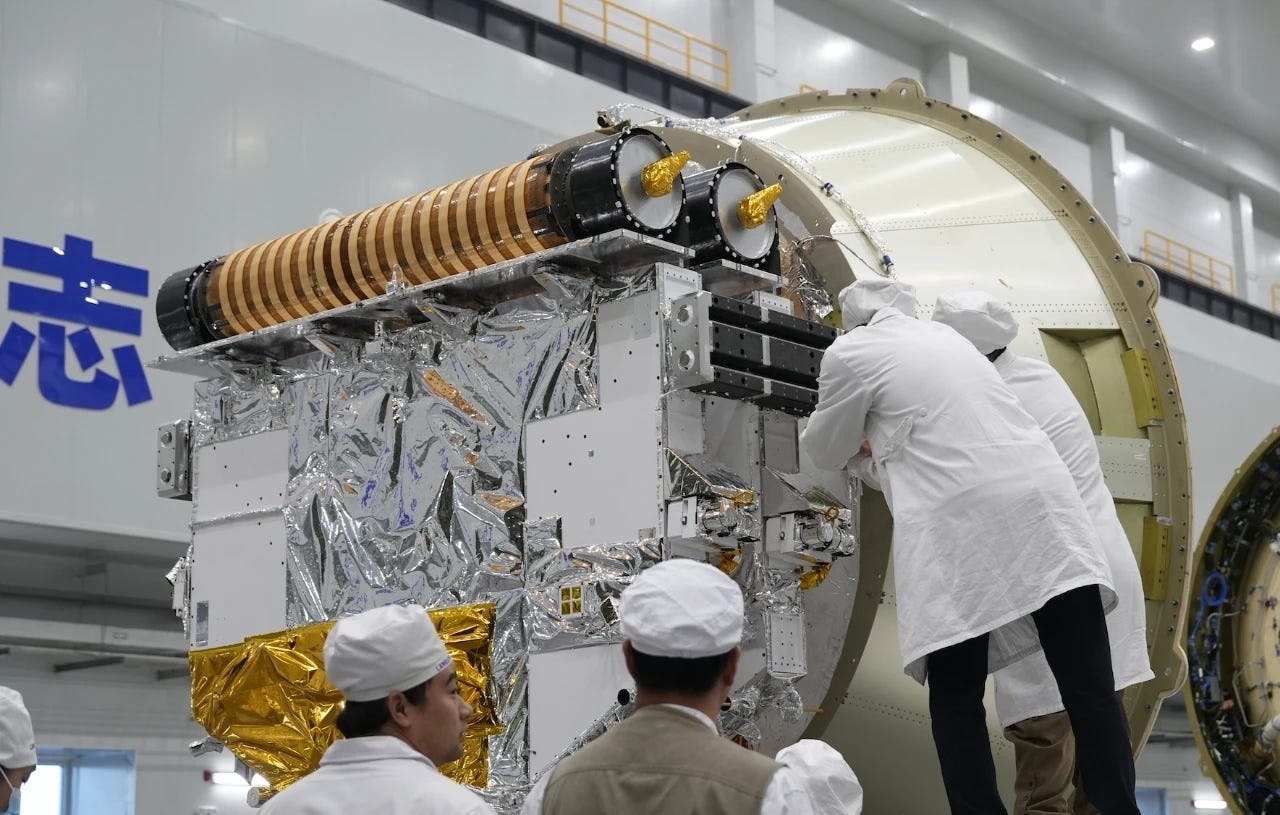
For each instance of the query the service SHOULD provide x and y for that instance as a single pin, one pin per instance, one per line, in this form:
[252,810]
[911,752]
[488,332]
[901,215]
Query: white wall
[1229,379]
[1267,268]
[125,708]
[829,48]
[1176,769]
[1172,204]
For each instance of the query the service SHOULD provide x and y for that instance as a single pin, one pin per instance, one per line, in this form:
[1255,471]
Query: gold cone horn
[659,178]
[753,210]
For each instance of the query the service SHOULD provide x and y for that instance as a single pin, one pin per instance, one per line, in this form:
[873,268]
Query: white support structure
[946,76]
[1243,248]
[1110,196]
[752,44]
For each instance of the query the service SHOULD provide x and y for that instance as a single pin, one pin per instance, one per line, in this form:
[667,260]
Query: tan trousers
[1048,781]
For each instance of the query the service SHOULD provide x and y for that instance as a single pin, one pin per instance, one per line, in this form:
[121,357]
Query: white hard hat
[829,779]
[393,648]
[17,739]
[860,300]
[979,318]
[682,608]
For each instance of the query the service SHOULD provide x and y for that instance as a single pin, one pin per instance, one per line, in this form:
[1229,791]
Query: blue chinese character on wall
[88,284]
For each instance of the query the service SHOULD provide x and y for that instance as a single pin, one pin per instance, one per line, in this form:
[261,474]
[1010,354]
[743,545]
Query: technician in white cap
[1027,699]
[17,748]
[682,626]
[993,552]
[403,718]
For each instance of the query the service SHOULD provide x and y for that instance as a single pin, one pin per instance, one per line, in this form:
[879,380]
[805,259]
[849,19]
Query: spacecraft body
[1231,636]
[505,398]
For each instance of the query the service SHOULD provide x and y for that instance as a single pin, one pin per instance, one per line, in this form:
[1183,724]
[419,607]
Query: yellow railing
[1275,297]
[807,88]
[1193,264]
[642,35]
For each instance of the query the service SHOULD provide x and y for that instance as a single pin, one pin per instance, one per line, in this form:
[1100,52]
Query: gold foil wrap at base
[268,699]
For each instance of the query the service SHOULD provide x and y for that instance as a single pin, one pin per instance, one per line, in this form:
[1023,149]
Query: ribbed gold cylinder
[467,225]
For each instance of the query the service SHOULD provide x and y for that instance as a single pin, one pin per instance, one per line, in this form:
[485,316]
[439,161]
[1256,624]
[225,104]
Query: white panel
[599,469]
[238,561]
[829,49]
[567,691]
[1126,467]
[1069,155]
[1266,293]
[1169,204]
[1229,381]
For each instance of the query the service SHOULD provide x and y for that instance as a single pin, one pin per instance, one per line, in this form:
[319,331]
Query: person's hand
[865,449]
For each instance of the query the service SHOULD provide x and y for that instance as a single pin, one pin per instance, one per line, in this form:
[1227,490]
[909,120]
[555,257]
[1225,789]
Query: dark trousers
[1073,632]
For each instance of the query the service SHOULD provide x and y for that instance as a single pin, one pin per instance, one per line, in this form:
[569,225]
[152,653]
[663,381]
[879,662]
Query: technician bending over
[682,623]
[1027,698]
[992,545]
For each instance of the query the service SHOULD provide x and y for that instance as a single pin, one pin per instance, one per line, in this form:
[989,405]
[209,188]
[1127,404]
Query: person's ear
[398,708]
[629,657]
[730,672]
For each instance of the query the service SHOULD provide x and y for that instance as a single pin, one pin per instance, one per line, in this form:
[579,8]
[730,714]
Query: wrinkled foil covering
[508,750]
[268,700]
[755,703]
[688,475]
[179,577]
[405,481]
[801,282]
[600,571]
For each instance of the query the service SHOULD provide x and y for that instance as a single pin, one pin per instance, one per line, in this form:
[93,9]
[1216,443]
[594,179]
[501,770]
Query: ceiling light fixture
[1202,44]
[227,779]
[1208,803]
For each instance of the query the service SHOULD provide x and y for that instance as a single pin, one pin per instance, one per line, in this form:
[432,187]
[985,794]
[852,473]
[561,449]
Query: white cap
[682,608]
[17,739]
[860,300]
[979,318]
[393,648]
[829,779]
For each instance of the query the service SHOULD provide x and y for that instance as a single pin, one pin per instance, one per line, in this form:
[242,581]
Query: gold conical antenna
[659,178]
[753,210]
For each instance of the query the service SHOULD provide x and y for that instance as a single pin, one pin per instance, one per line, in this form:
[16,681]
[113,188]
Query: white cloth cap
[682,608]
[979,318]
[861,299]
[393,648]
[829,779]
[17,739]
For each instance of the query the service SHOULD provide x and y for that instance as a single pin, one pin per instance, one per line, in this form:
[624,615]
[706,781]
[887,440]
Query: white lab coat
[378,774]
[1027,688]
[988,525]
[787,793]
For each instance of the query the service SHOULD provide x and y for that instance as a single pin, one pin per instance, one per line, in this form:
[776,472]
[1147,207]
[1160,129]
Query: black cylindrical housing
[712,228]
[596,187]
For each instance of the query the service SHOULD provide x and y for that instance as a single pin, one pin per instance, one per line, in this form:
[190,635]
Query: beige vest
[660,761]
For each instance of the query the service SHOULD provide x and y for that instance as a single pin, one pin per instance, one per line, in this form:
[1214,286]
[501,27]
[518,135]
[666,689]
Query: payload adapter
[506,397]
[1231,636]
